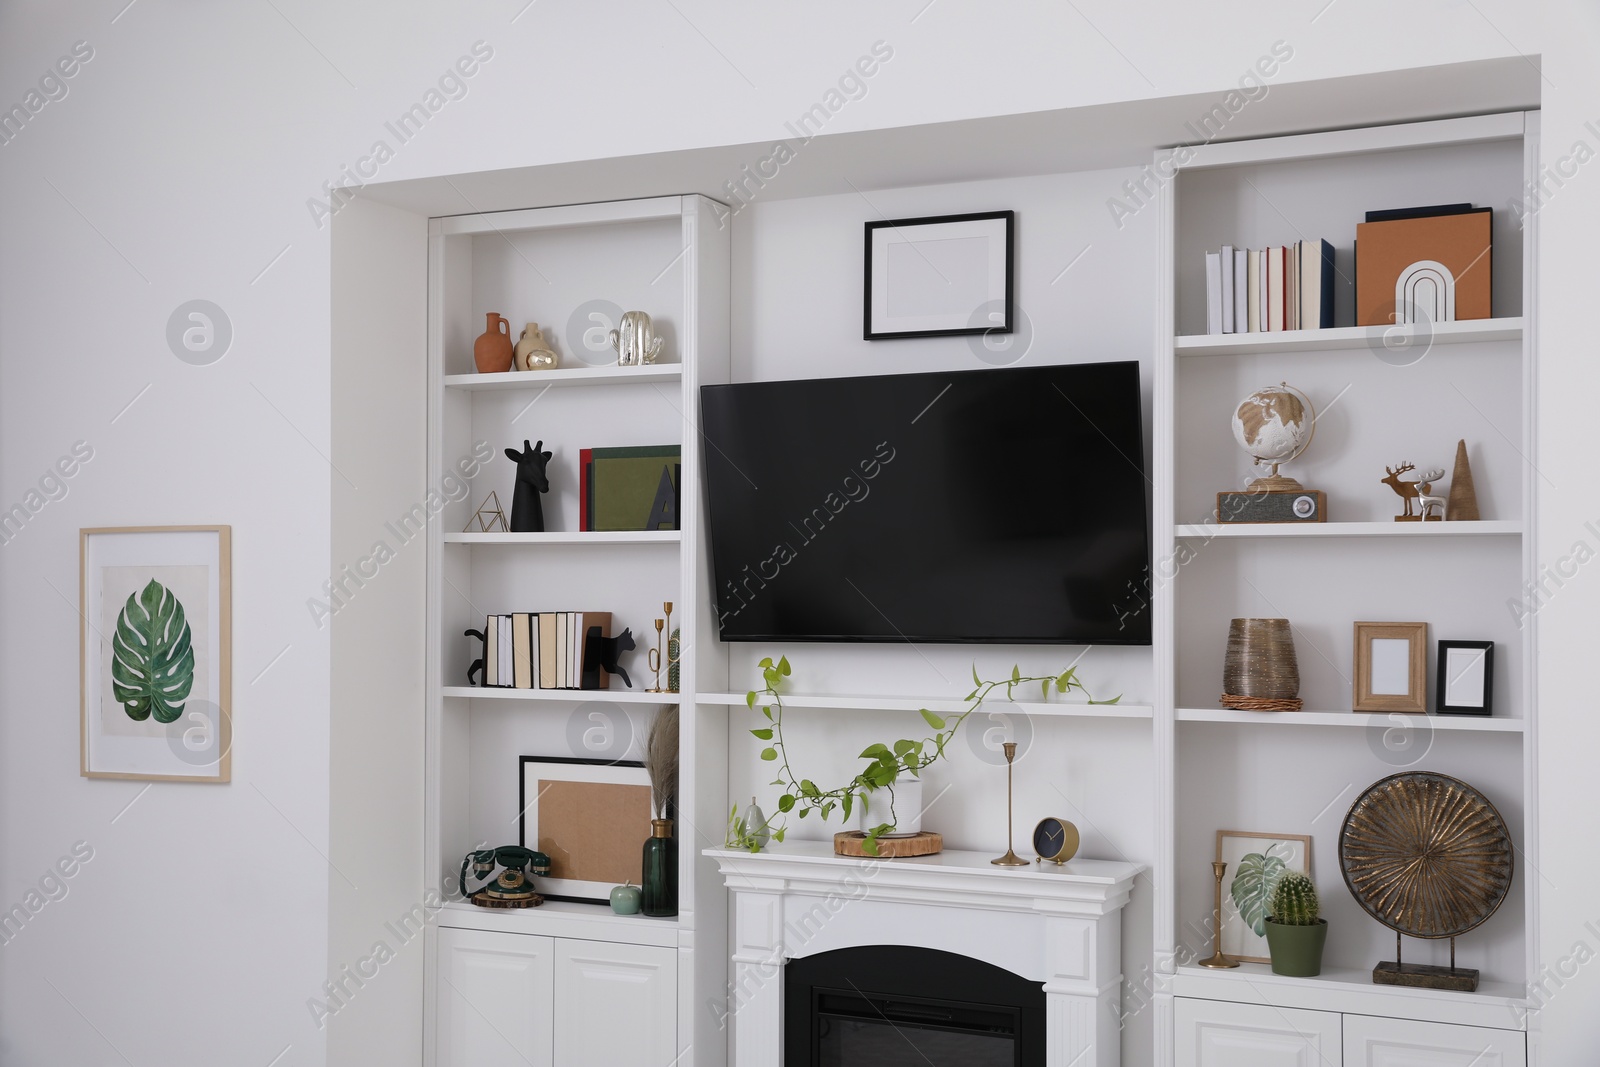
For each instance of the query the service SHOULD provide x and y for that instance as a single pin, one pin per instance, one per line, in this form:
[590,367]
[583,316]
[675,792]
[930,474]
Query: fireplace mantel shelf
[968,879]
[1058,925]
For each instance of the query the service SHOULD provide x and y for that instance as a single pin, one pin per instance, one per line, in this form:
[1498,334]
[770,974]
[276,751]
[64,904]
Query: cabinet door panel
[1214,1033]
[1374,1042]
[615,1004]
[495,999]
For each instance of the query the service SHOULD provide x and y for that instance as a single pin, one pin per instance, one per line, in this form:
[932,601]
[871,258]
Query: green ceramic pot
[1297,950]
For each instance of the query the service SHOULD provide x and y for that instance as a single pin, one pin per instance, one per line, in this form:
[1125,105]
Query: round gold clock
[1055,840]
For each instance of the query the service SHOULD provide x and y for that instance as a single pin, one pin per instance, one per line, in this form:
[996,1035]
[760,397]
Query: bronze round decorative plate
[1426,854]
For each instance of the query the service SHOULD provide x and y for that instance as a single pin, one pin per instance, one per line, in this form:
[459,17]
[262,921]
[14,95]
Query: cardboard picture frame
[590,816]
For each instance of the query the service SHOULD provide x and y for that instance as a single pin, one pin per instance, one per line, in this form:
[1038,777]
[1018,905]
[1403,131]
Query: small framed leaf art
[155,653]
[1255,863]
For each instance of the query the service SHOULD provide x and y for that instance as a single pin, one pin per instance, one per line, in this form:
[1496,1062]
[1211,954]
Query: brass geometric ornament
[489,518]
[1427,855]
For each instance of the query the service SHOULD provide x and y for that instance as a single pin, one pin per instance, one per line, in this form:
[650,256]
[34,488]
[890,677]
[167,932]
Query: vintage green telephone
[512,888]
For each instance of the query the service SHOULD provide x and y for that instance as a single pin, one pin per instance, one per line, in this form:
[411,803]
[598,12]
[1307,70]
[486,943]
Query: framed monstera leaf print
[1255,863]
[155,652]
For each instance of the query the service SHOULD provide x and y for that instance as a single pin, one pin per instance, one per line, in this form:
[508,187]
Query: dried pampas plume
[661,761]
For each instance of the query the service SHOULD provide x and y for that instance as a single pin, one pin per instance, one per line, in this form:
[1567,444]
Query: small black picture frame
[1464,681]
[979,297]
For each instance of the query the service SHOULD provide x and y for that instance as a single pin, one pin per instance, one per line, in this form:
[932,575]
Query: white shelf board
[569,696]
[569,537]
[561,918]
[1496,1004]
[546,379]
[938,705]
[1351,719]
[1480,528]
[1344,337]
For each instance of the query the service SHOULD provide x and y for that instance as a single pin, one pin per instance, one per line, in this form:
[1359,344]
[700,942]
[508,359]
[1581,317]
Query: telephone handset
[512,887]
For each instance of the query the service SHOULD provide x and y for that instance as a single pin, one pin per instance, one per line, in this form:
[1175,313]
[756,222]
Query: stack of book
[545,650]
[1262,290]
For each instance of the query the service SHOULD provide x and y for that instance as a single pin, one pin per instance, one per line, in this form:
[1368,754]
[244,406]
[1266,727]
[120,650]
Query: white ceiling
[1041,142]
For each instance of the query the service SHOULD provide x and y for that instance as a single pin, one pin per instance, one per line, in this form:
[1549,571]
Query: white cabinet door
[1373,1042]
[615,1004]
[495,999]
[1214,1033]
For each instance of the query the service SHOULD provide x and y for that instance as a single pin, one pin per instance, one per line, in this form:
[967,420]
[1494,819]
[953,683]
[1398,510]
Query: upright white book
[1253,290]
[1225,265]
[1241,292]
[1213,292]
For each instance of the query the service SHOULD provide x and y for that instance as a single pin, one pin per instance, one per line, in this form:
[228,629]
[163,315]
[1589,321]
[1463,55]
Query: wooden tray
[850,842]
[484,900]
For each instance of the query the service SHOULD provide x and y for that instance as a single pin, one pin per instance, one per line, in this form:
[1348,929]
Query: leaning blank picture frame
[1465,682]
[591,817]
[1391,667]
[186,735]
[938,276]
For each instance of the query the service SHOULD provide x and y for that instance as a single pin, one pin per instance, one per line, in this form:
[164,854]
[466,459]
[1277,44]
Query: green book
[633,488]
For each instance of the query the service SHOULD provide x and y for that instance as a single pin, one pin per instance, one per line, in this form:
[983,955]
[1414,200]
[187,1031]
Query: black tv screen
[1001,506]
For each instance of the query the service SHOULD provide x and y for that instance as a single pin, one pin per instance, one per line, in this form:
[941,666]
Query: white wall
[179,165]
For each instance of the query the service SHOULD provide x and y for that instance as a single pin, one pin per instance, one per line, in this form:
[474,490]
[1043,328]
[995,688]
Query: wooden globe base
[1426,976]
[1275,483]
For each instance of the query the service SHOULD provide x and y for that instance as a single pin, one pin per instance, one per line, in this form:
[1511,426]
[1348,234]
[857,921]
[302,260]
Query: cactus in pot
[1296,932]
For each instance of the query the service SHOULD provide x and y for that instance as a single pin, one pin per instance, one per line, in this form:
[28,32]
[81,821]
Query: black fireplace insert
[892,1005]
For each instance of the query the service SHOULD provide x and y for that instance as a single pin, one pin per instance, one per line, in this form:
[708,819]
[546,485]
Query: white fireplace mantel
[1060,925]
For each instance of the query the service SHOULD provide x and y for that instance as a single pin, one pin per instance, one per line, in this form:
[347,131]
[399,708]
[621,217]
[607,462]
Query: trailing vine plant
[885,763]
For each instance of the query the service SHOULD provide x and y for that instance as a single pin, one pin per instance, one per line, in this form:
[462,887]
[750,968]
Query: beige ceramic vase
[533,352]
[492,350]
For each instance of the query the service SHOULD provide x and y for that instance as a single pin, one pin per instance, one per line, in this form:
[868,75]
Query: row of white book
[543,650]
[1262,290]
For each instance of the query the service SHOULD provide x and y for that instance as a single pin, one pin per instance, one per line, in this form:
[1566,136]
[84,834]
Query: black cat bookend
[603,653]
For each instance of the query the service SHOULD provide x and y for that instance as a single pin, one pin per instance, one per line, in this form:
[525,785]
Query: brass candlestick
[1010,859]
[1218,960]
[654,657]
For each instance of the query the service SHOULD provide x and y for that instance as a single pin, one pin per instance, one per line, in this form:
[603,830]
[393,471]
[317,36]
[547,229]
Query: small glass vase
[660,875]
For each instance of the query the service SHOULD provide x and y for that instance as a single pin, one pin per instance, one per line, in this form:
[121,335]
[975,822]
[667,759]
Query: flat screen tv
[998,505]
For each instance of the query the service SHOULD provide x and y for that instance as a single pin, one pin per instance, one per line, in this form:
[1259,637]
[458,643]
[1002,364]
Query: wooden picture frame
[590,816]
[1465,678]
[958,281]
[1386,676]
[155,698]
[1238,937]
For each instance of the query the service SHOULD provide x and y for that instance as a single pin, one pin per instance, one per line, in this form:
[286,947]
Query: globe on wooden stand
[1274,426]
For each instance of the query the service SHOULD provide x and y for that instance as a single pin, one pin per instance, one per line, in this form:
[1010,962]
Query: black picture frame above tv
[1001,506]
[938,276]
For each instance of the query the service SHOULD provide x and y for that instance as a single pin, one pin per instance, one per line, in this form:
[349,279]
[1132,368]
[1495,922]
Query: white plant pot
[875,807]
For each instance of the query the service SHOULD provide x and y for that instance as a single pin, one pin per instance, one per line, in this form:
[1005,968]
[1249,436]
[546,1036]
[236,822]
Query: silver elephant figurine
[635,340]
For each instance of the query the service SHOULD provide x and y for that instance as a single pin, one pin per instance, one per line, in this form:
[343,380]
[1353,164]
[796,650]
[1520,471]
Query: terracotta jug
[492,350]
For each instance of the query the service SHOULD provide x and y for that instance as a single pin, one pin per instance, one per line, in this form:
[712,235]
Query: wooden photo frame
[155,653]
[938,276]
[1465,678]
[1391,667]
[591,817]
[1255,860]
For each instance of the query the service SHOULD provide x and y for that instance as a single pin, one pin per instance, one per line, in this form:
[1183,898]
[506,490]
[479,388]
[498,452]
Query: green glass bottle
[660,878]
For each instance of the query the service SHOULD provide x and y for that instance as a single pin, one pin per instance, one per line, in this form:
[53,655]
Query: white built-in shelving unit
[1385,395]
[571,965]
